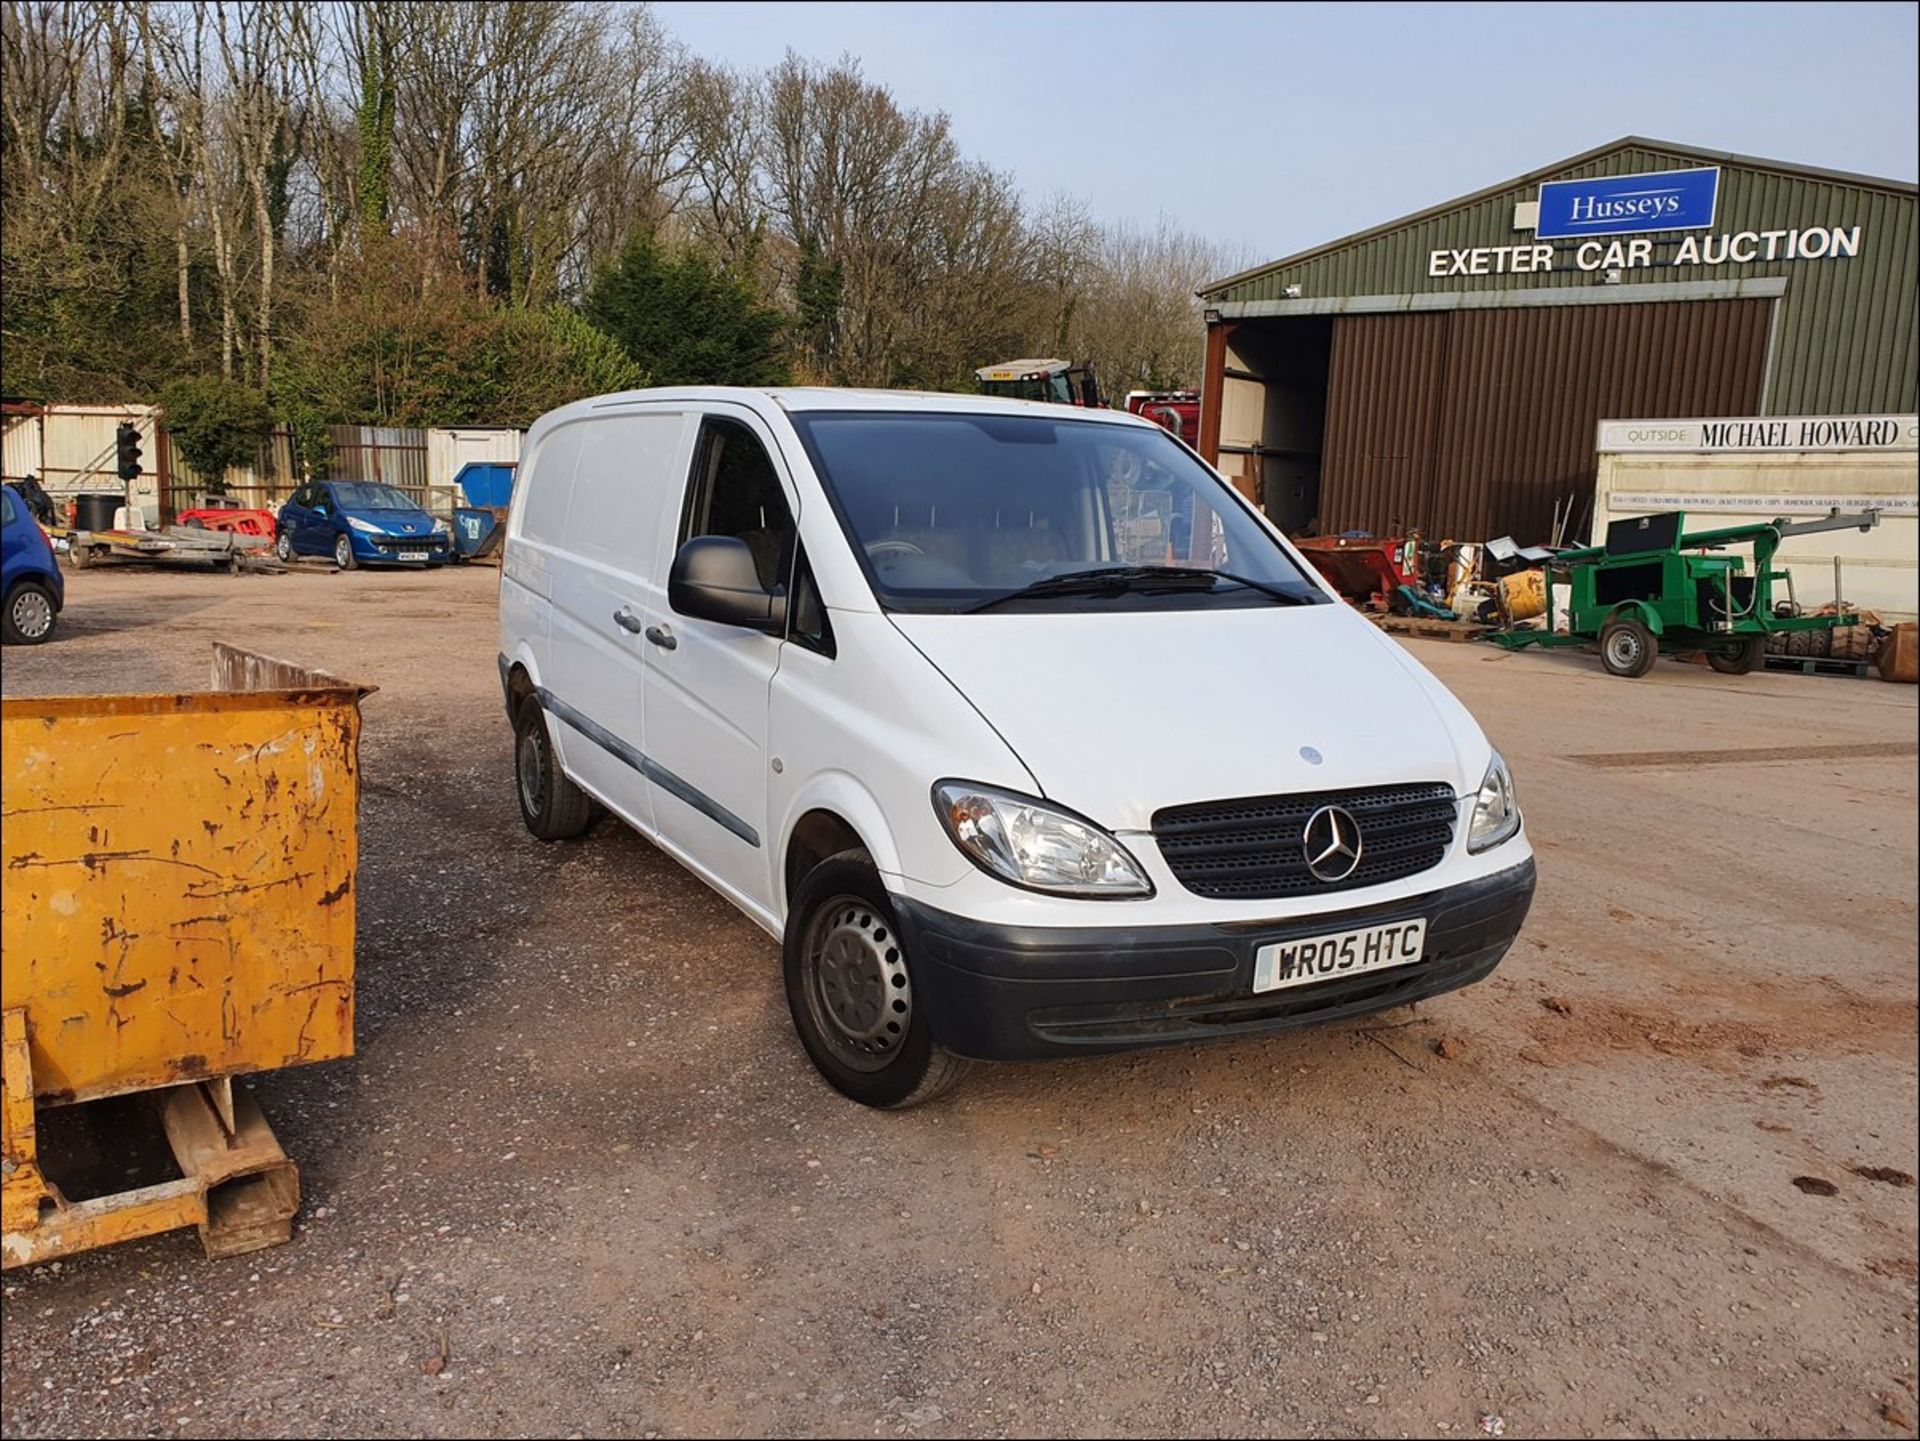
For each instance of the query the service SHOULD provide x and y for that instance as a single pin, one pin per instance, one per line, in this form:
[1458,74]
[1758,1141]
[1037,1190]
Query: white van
[1017,726]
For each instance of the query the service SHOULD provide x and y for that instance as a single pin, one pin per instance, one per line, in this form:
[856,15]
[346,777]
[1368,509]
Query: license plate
[413,555]
[1345,953]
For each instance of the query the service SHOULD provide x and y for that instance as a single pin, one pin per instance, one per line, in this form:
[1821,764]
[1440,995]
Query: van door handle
[661,637]
[627,620]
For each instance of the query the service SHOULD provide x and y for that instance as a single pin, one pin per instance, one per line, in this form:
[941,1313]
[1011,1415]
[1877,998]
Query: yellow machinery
[177,899]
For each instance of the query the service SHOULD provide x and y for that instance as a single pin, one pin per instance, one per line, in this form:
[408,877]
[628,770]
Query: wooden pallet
[1426,628]
[1819,665]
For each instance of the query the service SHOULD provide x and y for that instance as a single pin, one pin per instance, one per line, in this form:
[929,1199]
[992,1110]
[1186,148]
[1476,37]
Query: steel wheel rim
[1623,647]
[856,983]
[533,770]
[32,614]
[342,552]
[283,546]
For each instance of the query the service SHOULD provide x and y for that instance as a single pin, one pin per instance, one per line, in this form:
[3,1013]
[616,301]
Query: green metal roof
[1574,167]
[1844,332]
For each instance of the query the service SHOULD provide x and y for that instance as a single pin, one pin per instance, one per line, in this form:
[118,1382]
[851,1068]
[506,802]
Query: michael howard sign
[1628,204]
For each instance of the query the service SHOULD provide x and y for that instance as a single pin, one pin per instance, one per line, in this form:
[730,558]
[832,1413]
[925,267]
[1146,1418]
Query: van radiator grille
[1254,849]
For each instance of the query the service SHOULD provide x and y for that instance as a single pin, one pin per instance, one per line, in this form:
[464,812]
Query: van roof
[804,398]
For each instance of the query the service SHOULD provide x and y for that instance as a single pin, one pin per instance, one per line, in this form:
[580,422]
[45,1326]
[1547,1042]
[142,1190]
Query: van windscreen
[950,512]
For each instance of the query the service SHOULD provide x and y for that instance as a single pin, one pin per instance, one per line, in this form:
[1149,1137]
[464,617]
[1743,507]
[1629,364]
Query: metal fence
[70,448]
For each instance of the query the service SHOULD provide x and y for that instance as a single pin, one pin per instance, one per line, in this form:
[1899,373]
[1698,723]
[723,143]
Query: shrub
[215,424]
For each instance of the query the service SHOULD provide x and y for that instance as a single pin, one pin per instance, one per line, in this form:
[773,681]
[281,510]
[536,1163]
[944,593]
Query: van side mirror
[714,578]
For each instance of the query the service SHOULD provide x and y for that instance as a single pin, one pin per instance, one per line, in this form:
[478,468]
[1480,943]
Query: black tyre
[283,547]
[1799,643]
[850,990]
[196,524]
[554,808]
[30,614]
[1627,647]
[343,551]
[1752,650]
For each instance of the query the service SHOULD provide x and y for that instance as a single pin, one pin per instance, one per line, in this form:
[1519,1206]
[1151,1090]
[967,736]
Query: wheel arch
[517,682]
[831,814]
[1639,610]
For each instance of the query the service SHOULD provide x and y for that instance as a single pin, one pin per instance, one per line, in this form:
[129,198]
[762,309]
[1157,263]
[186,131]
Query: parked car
[360,523]
[1019,728]
[30,579]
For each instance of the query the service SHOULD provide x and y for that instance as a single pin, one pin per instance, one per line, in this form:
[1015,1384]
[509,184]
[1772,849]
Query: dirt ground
[580,1178]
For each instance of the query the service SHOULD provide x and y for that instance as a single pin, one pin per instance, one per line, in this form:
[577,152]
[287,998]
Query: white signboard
[1773,503]
[1762,434]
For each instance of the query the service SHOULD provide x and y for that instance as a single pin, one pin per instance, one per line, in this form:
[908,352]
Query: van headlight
[365,527]
[1496,812]
[1029,843]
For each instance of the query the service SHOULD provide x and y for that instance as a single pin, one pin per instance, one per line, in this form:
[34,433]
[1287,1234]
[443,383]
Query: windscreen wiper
[1143,580]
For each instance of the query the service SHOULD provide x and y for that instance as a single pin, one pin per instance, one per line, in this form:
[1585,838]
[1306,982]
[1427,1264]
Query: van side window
[807,623]
[734,490]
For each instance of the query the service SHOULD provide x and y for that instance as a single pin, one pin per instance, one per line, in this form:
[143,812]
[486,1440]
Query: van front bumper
[1007,993]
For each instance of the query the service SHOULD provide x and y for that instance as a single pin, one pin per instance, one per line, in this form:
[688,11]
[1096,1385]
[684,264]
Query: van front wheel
[554,808]
[850,990]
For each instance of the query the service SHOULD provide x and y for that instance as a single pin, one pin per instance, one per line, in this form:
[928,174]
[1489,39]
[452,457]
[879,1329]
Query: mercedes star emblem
[1331,843]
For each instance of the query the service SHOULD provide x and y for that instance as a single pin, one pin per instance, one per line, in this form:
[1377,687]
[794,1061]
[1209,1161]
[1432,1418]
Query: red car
[1174,410]
[242,522]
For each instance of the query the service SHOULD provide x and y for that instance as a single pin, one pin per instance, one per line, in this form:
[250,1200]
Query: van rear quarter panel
[536,519]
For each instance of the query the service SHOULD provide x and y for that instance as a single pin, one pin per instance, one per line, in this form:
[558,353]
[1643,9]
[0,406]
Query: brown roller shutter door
[1469,423]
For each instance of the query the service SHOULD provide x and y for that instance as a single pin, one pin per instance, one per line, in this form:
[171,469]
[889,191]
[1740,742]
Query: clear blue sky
[1277,127]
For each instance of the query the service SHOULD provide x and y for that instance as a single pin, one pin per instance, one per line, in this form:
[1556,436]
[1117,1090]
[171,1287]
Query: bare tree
[511,146]
[1141,322]
[725,113]
[1066,250]
[176,45]
[437,97]
[254,44]
[65,72]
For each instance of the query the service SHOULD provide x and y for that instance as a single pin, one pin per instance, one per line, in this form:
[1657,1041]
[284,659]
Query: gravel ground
[580,1178]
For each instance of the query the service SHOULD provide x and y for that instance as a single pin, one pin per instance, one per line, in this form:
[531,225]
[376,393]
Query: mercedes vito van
[1019,729]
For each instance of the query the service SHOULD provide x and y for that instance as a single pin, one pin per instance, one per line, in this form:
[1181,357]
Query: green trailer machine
[1652,587]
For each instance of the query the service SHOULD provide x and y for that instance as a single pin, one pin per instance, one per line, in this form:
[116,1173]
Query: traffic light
[126,445]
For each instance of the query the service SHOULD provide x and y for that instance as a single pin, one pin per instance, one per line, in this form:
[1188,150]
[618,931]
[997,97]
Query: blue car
[30,578]
[360,522]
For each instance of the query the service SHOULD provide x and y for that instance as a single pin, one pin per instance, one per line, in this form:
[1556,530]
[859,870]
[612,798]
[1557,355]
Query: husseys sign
[1628,204]
[1580,225]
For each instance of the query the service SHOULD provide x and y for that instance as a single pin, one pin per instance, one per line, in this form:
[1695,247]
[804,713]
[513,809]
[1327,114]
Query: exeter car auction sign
[1590,216]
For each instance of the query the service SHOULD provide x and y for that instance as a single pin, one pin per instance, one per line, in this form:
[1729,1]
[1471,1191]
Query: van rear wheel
[850,990]
[554,808]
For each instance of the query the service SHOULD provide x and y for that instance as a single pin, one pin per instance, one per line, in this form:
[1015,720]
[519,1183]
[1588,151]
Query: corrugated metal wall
[1384,396]
[20,447]
[1847,340]
[393,453]
[1472,423]
[265,483]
